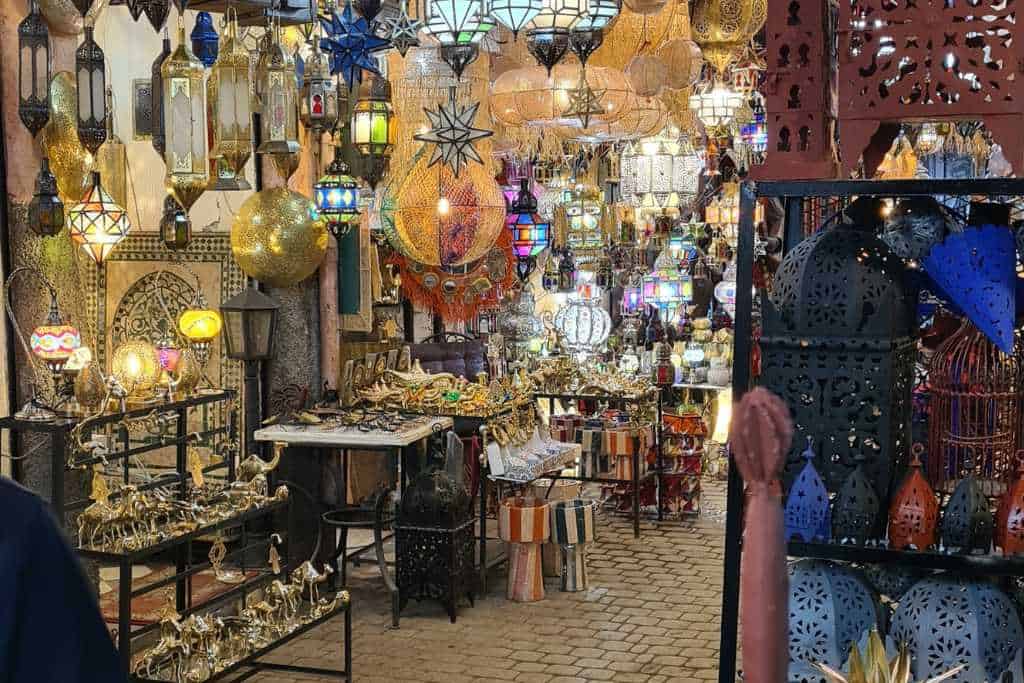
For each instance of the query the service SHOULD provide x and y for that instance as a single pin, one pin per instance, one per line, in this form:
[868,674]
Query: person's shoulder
[18,504]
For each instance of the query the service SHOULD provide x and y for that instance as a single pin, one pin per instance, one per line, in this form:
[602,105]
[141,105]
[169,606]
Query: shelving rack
[793,195]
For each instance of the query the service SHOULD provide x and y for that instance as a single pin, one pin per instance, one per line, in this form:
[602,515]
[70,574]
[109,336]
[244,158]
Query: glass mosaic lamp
[97,223]
[336,194]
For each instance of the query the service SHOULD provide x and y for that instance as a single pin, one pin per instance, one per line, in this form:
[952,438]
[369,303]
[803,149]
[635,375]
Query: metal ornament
[947,621]
[184,114]
[34,70]
[807,516]
[458,57]
[584,102]
[92,93]
[856,508]
[351,43]
[584,325]
[205,41]
[229,98]
[157,12]
[453,134]
[914,511]
[278,91]
[584,42]
[547,47]
[830,606]
[403,32]
[916,225]
[967,523]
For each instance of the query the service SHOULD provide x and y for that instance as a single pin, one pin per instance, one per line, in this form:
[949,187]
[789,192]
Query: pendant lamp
[184,110]
[97,223]
[228,91]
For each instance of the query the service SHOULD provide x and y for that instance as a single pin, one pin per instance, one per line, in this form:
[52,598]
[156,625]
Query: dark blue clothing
[50,624]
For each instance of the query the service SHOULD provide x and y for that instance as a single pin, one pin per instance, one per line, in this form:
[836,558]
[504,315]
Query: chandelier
[658,172]
[716,107]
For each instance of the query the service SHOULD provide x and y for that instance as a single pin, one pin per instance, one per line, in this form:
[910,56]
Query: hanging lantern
[643,117]
[660,173]
[807,516]
[373,128]
[588,33]
[667,287]
[228,93]
[205,41]
[318,104]
[645,7]
[157,93]
[184,109]
[716,107]
[46,210]
[518,321]
[549,278]
[584,209]
[647,74]
[530,232]
[112,159]
[336,195]
[278,91]
[459,25]
[914,511]
[92,93]
[157,11]
[97,223]
[720,29]
[856,508]
[529,96]
[686,61]
[250,325]
[33,70]
[175,226]
[515,14]
[967,522]
[755,133]
[567,273]
[547,36]
[584,325]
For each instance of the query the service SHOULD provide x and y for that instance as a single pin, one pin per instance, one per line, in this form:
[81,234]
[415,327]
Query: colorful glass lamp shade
[336,195]
[373,128]
[54,341]
[318,104]
[807,516]
[530,232]
[97,223]
[515,14]
[200,325]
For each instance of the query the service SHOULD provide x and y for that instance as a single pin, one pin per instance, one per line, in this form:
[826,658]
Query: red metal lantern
[1009,532]
[914,512]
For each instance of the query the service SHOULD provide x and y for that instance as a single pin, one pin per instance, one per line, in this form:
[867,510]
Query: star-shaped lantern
[584,102]
[453,134]
[351,42]
[403,32]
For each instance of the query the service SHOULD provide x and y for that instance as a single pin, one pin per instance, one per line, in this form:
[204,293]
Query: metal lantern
[716,107]
[318,103]
[336,195]
[946,621]
[97,223]
[459,25]
[112,159]
[518,321]
[175,226]
[967,523]
[720,29]
[157,93]
[530,233]
[914,511]
[547,35]
[807,516]
[250,325]
[830,606]
[660,173]
[584,211]
[855,514]
[584,325]
[205,41]
[567,272]
[33,70]
[373,128]
[157,11]
[837,331]
[278,90]
[588,33]
[515,14]
[184,111]
[92,93]
[549,278]
[974,411]
[229,94]
[46,211]
[667,287]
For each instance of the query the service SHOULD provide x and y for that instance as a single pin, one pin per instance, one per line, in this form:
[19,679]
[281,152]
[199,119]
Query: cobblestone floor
[651,615]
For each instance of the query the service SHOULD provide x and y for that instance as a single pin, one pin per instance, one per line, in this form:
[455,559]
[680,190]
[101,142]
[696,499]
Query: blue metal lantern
[336,195]
[807,514]
[205,41]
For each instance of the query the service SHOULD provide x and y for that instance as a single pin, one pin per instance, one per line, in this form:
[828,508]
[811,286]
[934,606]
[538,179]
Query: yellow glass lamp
[200,325]
[136,366]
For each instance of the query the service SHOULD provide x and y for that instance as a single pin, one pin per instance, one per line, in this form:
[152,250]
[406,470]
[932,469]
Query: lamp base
[229,183]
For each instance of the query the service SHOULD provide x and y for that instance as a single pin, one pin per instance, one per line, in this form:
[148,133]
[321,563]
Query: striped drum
[572,527]
[563,489]
[523,523]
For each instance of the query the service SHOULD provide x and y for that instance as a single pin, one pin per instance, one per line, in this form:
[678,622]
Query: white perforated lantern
[584,325]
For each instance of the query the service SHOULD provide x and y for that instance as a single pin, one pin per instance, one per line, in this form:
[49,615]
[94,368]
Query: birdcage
[974,414]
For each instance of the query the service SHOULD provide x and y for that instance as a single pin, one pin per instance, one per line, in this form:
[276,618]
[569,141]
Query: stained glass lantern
[373,128]
[336,195]
[46,210]
[547,36]
[92,92]
[229,93]
[967,522]
[754,134]
[716,107]
[807,516]
[666,286]
[855,513]
[459,25]
[54,341]
[660,173]
[318,108]
[583,324]
[33,70]
[175,226]
[549,278]
[946,621]
[530,232]
[184,110]
[205,41]
[584,210]
[835,293]
[250,325]
[200,325]
[914,510]
[588,33]
[515,14]
[278,89]
[830,606]
[97,223]
[157,90]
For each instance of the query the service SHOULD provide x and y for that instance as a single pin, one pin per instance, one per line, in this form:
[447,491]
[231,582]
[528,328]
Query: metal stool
[377,517]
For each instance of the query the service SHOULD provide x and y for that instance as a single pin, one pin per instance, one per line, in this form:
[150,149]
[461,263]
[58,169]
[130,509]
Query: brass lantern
[33,70]
[278,91]
[318,106]
[92,93]
[112,159]
[373,128]
[229,93]
[720,28]
[184,108]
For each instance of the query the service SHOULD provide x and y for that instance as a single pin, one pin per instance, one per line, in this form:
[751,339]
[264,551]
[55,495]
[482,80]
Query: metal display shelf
[793,194]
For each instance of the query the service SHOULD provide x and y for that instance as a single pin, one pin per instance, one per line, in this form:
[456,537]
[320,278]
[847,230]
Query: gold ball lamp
[184,107]
[446,220]
[647,74]
[720,29]
[685,59]
[70,162]
[136,366]
[278,237]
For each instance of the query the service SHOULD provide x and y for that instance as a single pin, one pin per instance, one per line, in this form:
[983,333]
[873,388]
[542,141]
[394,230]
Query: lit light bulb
[443,206]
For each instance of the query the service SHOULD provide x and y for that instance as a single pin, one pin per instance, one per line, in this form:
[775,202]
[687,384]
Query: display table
[332,435]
